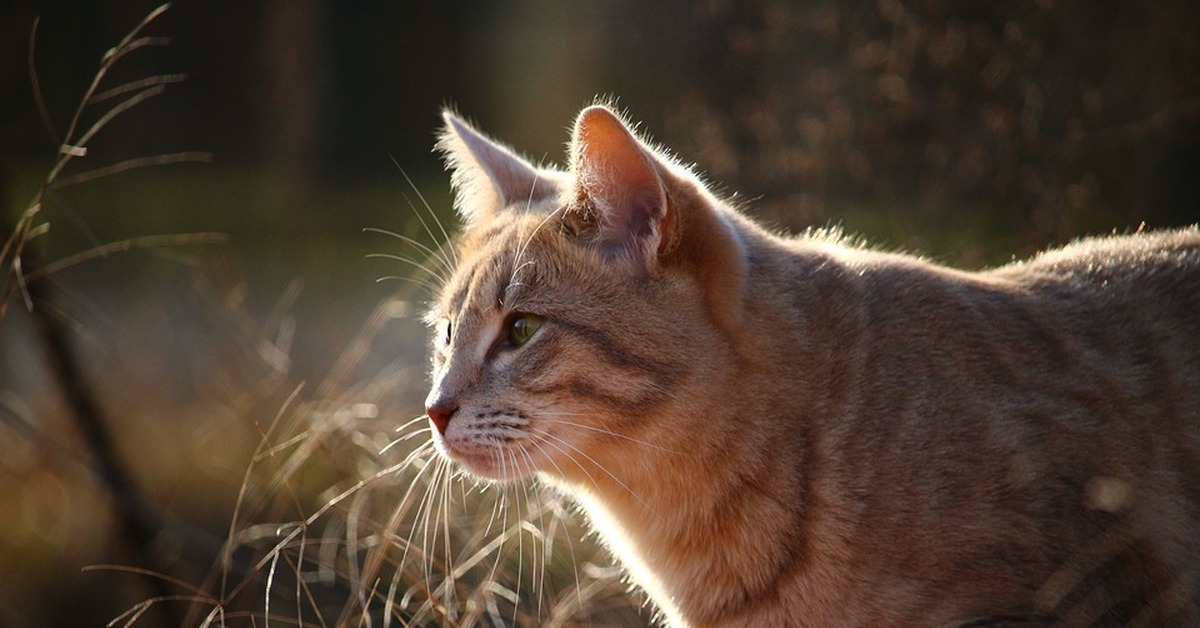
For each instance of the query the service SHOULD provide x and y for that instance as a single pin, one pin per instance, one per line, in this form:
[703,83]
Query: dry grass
[341,518]
[347,516]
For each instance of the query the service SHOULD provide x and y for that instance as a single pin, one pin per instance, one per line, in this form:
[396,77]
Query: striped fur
[802,432]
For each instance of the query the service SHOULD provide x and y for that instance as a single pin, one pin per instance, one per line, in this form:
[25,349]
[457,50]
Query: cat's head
[583,304]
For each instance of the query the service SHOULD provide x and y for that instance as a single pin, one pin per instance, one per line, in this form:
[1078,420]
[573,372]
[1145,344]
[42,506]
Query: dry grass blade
[14,248]
[150,573]
[110,58]
[185,239]
[334,552]
[133,86]
[38,96]
[71,147]
[78,147]
[132,164]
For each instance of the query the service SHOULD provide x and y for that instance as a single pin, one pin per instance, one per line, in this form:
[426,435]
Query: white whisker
[413,280]
[432,254]
[556,417]
[445,237]
[538,582]
[548,435]
[396,441]
[570,543]
[406,260]
[517,260]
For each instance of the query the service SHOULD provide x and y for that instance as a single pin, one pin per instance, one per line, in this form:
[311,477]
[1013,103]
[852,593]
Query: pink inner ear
[614,171]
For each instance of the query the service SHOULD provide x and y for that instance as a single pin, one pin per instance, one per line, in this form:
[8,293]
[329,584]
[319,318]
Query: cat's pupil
[444,331]
[522,328]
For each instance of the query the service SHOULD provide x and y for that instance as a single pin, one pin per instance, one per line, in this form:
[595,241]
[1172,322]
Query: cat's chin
[488,469]
[491,466]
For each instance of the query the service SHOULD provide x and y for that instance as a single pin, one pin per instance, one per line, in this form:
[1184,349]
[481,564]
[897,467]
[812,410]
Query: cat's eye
[522,327]
[443,332]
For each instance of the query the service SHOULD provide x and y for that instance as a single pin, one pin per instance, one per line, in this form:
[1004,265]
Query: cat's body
[773,432]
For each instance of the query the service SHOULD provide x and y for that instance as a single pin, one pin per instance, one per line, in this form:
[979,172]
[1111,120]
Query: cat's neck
[695,515]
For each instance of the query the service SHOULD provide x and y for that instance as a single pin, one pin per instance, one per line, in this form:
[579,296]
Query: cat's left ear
[617,186]
[486,176]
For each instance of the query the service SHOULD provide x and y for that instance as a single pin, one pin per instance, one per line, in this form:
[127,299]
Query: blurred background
[216,297]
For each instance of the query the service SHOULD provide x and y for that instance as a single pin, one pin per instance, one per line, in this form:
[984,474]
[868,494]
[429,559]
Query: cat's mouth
[497,461]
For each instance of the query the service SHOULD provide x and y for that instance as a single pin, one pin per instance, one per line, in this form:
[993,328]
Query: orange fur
[774,432]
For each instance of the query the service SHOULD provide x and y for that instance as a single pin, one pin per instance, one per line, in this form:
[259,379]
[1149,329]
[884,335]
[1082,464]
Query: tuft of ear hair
[486,175]
[618,184]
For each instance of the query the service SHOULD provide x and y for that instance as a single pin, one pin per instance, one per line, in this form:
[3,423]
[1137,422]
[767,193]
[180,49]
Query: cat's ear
[486,176]
[617,185]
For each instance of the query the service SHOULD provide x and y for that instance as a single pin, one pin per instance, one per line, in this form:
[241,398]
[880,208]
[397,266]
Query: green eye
[522,327]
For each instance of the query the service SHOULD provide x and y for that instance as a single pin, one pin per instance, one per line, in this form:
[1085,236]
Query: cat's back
[1129,264]
[1048,407]
[1142,288]
[1133,301]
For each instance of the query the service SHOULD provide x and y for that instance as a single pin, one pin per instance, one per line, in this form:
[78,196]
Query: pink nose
[440,413]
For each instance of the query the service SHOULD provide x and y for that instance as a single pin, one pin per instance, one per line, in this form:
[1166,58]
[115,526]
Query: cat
[778,431]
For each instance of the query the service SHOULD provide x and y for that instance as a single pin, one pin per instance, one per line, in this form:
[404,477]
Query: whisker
[412,421]
[538,583]
[408,543]
[413,280]
[357,486]
[402,506]
[430,545]
[432,215]
[445,516]
[502,537]
[401,439]
[405,260]
[518,264]
[520,544]
[417,244]
[557,418]
[597,465]
[437,221]
[570,543]
[421,519]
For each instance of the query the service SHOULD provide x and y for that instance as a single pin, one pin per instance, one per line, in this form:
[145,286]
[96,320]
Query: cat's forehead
[498,262]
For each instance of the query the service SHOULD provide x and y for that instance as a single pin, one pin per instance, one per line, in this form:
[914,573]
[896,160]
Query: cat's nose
[440,412]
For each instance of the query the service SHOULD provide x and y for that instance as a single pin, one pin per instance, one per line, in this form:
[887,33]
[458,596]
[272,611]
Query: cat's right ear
[486,176]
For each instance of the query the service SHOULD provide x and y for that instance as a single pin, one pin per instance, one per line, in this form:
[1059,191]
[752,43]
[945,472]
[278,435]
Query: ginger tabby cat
[772,431]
